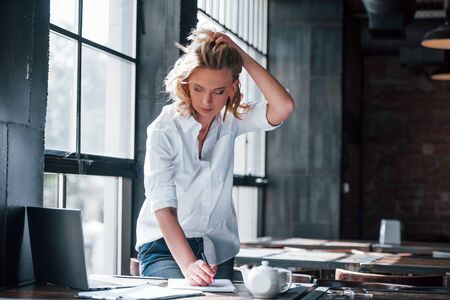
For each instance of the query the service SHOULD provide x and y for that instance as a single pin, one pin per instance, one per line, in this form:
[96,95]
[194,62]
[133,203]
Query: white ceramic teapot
[264,281]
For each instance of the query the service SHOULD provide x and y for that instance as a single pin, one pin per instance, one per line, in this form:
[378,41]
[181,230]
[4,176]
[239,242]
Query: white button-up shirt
[199,188]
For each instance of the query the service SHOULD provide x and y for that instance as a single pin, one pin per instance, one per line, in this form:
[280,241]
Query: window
[246,22]
[89,132]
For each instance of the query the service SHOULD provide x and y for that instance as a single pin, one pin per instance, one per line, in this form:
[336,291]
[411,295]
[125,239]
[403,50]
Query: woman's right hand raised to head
[200,273]
[220,37]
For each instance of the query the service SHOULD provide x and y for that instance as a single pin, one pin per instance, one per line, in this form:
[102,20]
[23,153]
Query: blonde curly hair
[204,52]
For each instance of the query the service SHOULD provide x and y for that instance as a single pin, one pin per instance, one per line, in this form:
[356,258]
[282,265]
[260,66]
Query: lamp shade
[441,73]
[438,38]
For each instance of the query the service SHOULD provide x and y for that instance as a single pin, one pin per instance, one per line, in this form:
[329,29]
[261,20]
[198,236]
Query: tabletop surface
[414,265]
[354,261]
[47,291]
[318,259]
[311,244]
[422,248]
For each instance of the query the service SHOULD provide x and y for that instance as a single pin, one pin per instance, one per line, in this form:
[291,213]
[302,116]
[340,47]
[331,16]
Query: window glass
[64,13]
[114,27]
[107,105]
[97,198]
[245,200]
[99,87]
[50,190]
[60,126]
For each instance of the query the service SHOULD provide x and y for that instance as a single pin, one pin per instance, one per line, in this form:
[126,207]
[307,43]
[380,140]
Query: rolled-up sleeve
[159,170]
[255,118]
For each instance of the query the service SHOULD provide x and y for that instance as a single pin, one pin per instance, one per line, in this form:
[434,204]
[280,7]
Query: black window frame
[78,163]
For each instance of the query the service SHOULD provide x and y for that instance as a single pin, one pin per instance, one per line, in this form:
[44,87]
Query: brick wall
[405,150]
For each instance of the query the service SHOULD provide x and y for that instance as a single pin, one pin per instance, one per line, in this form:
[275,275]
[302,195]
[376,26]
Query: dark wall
[304,155]
[351,206]
[24,30]
[406,150]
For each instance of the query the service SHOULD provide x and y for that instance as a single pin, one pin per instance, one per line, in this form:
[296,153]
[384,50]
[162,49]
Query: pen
[206,261]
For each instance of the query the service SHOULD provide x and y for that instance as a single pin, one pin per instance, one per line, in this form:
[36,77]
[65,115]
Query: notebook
[220,285]
[57,248]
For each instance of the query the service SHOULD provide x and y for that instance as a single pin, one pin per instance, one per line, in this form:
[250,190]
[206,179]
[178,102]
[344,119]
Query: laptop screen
[57,246]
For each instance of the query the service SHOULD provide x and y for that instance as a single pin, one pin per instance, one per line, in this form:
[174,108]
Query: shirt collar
[189,122]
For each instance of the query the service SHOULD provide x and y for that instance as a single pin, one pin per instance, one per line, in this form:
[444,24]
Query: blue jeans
[156,260]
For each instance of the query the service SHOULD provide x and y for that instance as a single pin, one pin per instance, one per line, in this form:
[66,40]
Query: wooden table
[308,259]
[418,248]
[48,291]
[39,291]
[397,295]
[45,291]
[409,265]
[326,260]
[332,289]
[388,295]
[312,244]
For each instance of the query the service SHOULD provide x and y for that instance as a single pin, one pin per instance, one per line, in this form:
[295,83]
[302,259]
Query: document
[122,281]
[441,254]
[145,291]
[220,285]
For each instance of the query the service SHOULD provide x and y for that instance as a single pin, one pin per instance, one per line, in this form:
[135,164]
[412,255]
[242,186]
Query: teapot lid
[265,265]
[264,268]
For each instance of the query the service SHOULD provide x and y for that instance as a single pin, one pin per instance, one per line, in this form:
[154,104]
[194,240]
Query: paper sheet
[220,285]
[124,281]
[146,291]
[258,252]
[309,256]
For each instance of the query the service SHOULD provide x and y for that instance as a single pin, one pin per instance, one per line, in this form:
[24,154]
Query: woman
[187,225]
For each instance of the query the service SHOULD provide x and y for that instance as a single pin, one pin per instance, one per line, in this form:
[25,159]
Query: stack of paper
[220,285]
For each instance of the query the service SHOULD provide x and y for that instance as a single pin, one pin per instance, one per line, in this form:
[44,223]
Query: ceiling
[356,7]
[405,41]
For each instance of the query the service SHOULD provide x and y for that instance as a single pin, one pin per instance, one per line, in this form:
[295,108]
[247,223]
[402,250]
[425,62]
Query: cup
[390,231]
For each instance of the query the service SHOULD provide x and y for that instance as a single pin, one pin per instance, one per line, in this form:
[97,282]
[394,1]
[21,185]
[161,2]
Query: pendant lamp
[443,72]
[439,38]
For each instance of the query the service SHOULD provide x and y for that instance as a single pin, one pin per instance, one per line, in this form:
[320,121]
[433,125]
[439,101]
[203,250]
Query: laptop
[57,248]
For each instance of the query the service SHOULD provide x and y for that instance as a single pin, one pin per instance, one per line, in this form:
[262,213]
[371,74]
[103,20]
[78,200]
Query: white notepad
[220,285]
[145,291]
